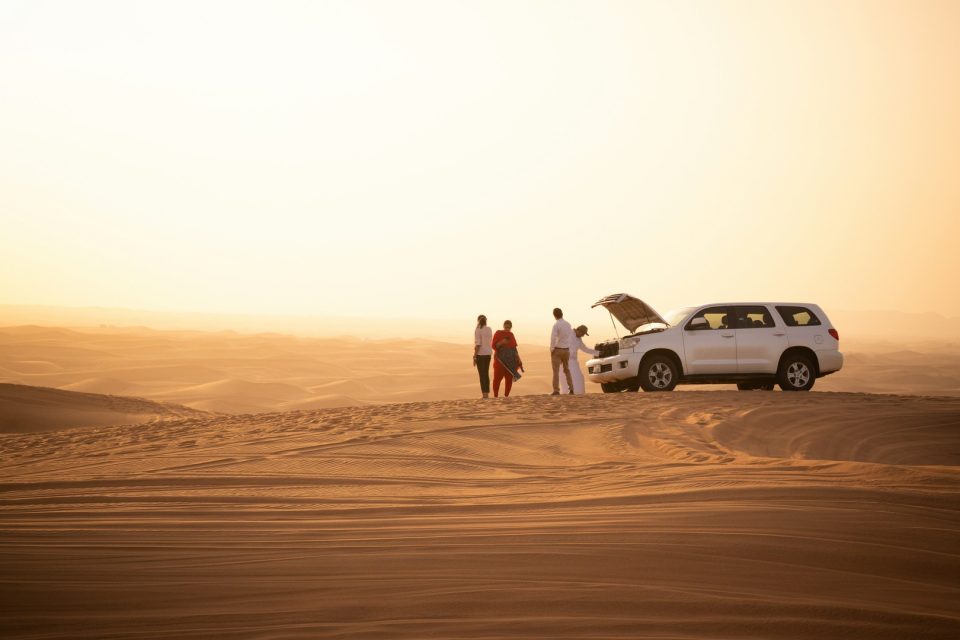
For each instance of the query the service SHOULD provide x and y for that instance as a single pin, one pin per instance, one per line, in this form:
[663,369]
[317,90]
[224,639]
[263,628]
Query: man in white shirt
[561,339]
[482,350]
[578,384]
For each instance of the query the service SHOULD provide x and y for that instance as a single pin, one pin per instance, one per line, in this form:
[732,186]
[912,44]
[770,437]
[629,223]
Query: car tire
[609,387]
[658,373]
[796,373]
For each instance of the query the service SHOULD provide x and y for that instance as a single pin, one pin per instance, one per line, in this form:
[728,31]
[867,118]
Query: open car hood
[631,312]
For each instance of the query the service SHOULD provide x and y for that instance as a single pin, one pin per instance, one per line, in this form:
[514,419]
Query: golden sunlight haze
[361,157]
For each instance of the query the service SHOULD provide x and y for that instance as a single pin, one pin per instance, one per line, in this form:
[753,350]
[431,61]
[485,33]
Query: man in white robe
[575,373]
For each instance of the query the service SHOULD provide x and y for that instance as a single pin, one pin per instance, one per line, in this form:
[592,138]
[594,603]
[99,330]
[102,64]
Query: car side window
[716,317]
[798,316]
[754,317]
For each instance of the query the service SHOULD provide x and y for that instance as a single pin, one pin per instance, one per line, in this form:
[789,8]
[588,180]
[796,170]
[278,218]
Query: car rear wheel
[658,373]
[796,373]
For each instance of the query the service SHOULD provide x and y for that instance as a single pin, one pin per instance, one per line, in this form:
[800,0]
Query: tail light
[833,332]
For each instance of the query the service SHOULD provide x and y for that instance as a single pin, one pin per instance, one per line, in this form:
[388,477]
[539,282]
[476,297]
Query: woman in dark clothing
[506,364]
[482,337]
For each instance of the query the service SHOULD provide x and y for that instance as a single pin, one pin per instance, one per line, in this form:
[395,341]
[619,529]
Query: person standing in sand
[561,338]
[575,372]
[507,364]
[482,352]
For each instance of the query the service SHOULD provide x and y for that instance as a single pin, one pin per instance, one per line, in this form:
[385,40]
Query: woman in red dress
[506,361]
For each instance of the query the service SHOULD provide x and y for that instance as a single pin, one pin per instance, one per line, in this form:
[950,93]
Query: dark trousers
[500,373]
[483,368]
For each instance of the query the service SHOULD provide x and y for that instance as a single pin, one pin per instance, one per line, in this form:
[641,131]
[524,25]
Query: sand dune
[933,372]
[34,366]
[235,373]
[900,431]
[237,396]
[104,385]
[25,409]
[688,515]
[322,401]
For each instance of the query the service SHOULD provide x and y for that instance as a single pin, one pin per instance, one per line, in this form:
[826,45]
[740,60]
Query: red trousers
[500,373]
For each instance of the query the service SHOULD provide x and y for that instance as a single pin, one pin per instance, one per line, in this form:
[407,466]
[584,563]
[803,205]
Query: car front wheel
[658,373]
[796,374]
[609,387]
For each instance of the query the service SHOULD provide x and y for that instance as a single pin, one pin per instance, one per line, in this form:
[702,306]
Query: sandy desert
[229,372]
[244,247]
[686,515]
[197,484]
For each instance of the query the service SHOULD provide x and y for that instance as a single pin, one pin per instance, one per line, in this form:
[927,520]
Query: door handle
[727,335]
[779,334]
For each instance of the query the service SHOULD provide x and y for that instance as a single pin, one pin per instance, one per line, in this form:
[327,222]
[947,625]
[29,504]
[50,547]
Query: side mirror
[698,324]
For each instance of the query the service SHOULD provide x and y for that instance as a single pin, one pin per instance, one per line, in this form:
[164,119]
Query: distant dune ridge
[686,515]
[875,325]
[233,373]
[227,372]
[25,409]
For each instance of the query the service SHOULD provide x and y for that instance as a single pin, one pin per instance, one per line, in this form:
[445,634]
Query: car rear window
[798,316]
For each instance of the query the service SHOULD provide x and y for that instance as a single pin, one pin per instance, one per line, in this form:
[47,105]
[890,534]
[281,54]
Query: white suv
[752,344]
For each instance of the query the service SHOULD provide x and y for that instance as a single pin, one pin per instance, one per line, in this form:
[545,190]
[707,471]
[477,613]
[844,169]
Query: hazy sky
[446,158]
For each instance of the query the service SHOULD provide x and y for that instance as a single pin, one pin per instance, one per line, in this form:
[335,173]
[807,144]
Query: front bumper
[611,369]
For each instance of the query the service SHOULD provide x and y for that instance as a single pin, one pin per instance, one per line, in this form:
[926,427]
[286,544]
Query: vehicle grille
[606,367]
[607,349]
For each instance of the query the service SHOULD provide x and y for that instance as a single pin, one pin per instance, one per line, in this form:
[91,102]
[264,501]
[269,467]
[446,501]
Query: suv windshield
[676,316]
